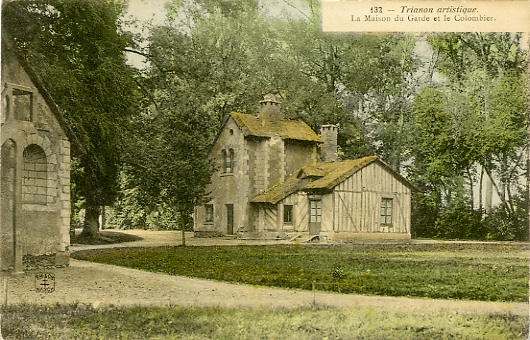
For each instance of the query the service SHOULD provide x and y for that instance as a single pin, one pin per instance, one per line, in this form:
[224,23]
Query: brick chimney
[328,150]
[270,106]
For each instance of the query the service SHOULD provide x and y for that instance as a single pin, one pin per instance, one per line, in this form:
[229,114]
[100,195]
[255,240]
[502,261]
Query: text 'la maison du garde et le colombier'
[411,13]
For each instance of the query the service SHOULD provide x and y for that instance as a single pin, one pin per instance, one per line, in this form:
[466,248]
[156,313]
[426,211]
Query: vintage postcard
[264,169]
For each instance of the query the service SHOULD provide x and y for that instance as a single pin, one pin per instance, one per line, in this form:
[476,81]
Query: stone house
[277,178]
[34,167]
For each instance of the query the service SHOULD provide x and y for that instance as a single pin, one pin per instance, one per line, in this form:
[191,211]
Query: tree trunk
[91,222]
[527,194]
[184,222]
[489,195]
[480,194]
[471,188]
[183,237]
[102,218]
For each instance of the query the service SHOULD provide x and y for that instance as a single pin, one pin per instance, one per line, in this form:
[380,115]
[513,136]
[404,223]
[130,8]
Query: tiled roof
[275,127]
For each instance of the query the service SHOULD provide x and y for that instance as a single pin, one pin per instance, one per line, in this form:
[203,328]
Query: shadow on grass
[106,237]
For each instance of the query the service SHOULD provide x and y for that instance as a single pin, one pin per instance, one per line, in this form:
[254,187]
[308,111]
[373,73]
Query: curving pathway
[103,285]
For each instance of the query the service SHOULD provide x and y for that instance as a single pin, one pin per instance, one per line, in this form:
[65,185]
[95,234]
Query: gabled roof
[275,127]
[320,176]
[252,125]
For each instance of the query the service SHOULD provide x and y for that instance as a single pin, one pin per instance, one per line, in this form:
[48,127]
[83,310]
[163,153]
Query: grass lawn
[82,322]
[444,271]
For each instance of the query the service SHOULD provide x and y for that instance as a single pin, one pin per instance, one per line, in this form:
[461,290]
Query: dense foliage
[77,50]
[472,140]
[441,273]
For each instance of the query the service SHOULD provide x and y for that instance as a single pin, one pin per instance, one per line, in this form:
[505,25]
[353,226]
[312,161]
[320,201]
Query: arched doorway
[8,187]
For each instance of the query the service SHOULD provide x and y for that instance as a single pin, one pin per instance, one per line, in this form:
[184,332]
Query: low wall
[58,260]
[376,237]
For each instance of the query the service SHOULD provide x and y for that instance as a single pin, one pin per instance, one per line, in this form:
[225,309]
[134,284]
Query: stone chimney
[328,150]
[270,106]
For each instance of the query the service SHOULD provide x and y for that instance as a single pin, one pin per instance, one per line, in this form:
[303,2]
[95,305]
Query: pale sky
[144,13]
[146,10]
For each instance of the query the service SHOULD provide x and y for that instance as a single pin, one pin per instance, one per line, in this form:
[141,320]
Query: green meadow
[439,271]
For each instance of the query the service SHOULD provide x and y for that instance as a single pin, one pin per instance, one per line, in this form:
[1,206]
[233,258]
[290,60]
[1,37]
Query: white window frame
[315,211]
[387,206]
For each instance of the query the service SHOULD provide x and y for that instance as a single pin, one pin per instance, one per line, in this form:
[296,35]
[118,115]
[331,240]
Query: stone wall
[35,221]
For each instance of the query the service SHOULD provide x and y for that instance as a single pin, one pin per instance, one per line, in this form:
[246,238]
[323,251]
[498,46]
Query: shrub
[424,215]
[506,223]
[459,222]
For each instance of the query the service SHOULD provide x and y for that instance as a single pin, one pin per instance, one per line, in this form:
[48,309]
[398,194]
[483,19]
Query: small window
[208,213]
[288,214]
[386,211]
[315,212]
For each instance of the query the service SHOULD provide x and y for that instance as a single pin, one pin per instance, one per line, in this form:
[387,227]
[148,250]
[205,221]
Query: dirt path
[105,285]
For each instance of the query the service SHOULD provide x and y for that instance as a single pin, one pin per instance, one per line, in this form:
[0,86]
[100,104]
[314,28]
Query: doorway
[315,217]
[230,219]
[8,215]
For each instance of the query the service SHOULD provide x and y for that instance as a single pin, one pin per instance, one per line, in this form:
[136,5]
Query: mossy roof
[331,174]
[275,127]
[319,176]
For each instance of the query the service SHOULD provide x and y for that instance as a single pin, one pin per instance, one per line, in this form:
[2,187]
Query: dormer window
[228,161]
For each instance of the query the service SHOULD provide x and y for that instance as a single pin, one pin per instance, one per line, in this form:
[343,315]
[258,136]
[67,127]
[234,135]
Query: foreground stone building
[34,167]
[277,178]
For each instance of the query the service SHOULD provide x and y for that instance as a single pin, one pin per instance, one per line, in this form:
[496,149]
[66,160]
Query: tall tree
[76,47]
[224,57]
[486,96]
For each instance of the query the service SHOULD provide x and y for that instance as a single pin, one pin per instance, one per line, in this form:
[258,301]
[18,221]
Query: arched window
[35,176]
[228,160]
[225,159]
